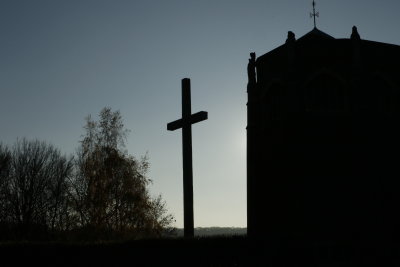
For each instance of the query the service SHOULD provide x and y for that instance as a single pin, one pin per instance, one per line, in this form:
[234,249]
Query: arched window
[325,94]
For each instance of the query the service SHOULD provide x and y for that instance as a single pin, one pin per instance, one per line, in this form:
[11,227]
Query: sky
[63,60]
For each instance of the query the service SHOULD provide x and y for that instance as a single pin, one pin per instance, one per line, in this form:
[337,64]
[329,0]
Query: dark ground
[215,251]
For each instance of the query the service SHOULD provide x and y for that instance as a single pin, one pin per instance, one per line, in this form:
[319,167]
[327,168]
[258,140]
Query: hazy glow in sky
[62,60]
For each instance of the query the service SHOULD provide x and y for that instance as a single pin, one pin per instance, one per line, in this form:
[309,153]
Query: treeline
[100,193]
[215,231]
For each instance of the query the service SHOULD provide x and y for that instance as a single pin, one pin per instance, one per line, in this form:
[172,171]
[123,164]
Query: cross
[314,14]
[186,124]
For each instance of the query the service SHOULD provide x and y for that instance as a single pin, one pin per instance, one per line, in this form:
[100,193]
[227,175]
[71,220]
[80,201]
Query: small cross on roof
[314,14]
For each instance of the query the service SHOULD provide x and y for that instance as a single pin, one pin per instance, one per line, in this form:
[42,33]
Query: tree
[33,187]
[5,160]
[110,189]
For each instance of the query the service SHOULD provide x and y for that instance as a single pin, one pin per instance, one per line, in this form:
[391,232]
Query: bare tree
[102,190]
[58,194]
[5,160]
[35,186]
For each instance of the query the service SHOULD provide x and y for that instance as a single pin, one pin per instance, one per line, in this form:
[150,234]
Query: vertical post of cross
[187,160]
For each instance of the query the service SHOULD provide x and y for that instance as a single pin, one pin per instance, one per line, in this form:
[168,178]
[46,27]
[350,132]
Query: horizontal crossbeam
[194,118]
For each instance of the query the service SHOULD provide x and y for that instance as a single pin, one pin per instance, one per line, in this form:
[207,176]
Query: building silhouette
[323,140]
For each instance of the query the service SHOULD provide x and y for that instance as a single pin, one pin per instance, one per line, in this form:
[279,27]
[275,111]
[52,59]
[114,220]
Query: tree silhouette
[5,159]
[33,187]
[110,192]
[100,194]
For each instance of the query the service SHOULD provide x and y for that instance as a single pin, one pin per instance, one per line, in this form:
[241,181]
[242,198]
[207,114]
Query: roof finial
[354,34]
[314,14]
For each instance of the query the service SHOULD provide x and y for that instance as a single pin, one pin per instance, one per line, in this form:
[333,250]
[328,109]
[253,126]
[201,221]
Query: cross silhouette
[314,14]
[186,124]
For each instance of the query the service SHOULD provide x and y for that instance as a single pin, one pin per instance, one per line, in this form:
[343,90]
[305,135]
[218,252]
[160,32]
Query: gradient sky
[62,60]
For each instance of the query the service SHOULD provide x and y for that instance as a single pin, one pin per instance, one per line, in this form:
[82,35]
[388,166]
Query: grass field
[205,251]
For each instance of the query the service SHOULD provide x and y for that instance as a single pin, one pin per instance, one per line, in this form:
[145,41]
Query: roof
[318,50]
[315,33]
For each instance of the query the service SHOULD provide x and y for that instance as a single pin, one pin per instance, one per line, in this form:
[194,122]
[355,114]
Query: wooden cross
[186,124]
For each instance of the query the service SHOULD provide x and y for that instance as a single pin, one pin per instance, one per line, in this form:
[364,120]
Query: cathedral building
[323,140]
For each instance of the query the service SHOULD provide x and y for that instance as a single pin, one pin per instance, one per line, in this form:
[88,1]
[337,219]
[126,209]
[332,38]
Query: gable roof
[316,34]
